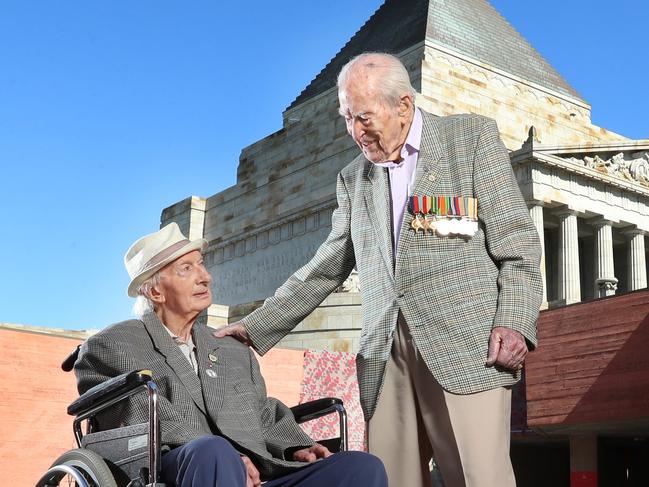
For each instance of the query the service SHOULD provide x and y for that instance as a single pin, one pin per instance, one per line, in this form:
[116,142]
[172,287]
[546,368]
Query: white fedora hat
[152,252]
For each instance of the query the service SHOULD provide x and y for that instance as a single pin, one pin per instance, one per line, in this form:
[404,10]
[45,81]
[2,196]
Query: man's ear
[156,295]
[406,104]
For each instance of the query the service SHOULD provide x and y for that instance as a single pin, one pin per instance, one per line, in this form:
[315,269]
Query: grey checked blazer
[233,404]
[451,291]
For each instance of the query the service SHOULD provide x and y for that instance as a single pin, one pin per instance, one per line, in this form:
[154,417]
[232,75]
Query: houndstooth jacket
[451,291]
[230,402]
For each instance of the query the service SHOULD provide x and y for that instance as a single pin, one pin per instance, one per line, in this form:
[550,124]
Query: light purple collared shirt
[402,176]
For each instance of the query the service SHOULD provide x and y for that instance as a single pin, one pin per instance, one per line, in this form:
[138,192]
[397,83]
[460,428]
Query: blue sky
[112,111]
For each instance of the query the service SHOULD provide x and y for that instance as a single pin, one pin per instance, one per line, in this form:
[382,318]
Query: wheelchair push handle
[68,363]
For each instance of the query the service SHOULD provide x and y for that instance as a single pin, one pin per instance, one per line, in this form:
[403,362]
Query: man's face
[378,129]
[185,285]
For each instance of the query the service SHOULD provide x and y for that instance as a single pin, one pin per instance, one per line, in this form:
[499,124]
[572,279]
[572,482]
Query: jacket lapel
[378,206]
[428,177]
[212,367]
[174,358]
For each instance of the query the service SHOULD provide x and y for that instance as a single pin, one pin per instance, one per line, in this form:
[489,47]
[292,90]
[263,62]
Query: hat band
[160,256]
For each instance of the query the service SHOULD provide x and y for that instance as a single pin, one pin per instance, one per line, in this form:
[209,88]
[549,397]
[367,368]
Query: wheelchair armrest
[315,409]
[108,390]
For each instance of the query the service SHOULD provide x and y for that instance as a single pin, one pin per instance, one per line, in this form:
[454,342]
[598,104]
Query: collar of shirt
[187,348]
[189,342]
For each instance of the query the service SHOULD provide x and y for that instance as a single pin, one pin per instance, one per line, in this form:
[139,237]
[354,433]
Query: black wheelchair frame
[85,467]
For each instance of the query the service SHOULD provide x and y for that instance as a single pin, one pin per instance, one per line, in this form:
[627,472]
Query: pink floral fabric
[333,374]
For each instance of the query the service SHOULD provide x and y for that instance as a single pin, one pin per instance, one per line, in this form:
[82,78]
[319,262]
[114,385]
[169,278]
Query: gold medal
[425,224]
[431,224]
[416,224]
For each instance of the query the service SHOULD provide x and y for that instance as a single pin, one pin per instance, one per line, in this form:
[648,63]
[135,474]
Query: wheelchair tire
[92,467]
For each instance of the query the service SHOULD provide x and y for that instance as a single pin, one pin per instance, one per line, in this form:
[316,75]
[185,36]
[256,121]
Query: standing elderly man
[448,261]
[218,425]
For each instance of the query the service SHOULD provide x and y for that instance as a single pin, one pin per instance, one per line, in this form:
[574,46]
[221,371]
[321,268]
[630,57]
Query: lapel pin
[211,373]
[213,357]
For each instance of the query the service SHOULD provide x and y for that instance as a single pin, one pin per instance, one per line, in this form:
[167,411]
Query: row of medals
[444,227]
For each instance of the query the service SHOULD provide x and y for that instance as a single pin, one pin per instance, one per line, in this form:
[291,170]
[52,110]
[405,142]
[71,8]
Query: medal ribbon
[445,206]
[414,203]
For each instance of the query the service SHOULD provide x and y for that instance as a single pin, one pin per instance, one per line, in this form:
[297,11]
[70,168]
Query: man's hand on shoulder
[312,453]
[507,348]
[252,474]
[235,330]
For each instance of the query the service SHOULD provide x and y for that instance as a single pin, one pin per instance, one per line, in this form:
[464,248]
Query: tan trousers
[416,419]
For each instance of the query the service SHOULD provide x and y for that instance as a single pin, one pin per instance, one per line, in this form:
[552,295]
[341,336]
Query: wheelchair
[130,456]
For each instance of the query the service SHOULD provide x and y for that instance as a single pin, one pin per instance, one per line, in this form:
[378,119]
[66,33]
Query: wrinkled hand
[507,348]
[253,479]
[235,330]
[311,454]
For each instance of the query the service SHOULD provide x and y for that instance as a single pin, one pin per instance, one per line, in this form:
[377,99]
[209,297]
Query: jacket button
[401,295]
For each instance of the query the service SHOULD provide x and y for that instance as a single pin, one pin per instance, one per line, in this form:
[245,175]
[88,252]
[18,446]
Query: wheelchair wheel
[90,466]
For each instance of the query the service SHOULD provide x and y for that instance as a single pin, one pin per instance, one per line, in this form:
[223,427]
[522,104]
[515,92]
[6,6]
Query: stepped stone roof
[471,27]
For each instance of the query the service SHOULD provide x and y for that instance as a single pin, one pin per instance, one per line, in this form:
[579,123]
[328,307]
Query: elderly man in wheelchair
[207,420]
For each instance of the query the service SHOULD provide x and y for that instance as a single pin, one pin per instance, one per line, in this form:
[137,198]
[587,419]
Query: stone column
[636,260]
[569,282]
[536,212]
[605,281]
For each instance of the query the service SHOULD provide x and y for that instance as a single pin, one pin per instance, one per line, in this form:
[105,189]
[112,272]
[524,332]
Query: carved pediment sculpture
[635,169]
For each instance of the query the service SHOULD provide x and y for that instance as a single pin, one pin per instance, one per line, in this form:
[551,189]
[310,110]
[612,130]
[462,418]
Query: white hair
[391,76]
[143,303]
